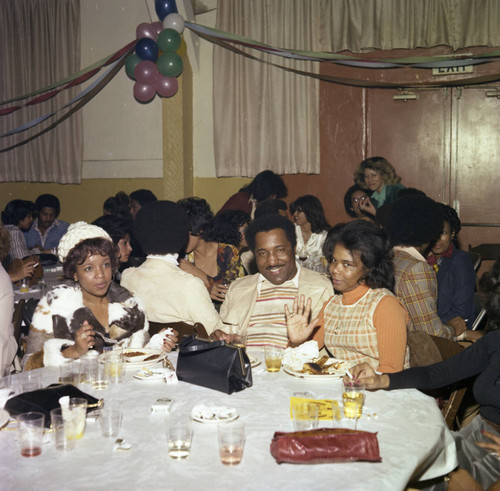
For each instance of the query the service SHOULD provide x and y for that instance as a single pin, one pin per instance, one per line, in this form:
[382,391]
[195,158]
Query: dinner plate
[337,374]
[141,360]
[254,362]
[213,414]
[4,417]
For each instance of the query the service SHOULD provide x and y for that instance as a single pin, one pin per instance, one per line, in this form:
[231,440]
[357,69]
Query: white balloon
[175,22]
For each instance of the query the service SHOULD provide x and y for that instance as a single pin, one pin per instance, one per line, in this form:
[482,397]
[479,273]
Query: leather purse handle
[202,347]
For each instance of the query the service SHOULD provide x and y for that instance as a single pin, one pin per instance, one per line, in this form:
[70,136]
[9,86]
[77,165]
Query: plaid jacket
[416,288]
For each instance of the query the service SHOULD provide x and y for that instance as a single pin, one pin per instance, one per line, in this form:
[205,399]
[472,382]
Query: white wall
[122,138]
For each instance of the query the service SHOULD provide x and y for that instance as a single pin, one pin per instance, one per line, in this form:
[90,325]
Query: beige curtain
[267,118]
[358,25]
[264,117]
[40,46]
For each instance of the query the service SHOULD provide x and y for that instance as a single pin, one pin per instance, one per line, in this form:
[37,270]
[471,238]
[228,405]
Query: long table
[414,442]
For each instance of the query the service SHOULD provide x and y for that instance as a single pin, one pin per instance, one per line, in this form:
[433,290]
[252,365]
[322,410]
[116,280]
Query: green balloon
[169,40]
[170,64]
[130,65]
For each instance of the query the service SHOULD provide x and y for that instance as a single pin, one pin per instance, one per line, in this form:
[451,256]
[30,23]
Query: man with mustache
[256,303]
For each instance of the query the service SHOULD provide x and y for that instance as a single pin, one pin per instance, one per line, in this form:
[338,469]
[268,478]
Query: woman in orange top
[366,322]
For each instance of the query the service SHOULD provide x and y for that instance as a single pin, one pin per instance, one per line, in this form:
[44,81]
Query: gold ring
[84,336]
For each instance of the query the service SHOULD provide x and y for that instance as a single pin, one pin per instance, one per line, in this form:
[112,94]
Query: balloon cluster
[157,60]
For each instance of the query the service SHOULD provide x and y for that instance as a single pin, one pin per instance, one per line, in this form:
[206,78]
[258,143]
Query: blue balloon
[165,7]
[146,49]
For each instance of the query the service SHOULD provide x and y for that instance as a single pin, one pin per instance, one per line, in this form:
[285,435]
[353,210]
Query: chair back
[183,328]
[450,409]
[486,251]
[475,258]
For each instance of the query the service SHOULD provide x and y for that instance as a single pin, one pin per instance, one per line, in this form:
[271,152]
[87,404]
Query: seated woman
[120,231]
[266,184]
[478,443]
[18,214]
[76,317]
[378,176]
[209,260]
[366,322]
[310,226]
[170,295]
[456,278]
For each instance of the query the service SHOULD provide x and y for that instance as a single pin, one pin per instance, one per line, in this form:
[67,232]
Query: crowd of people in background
[371,291]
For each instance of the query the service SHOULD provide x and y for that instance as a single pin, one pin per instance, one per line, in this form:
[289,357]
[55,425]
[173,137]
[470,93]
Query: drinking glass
[29,381]
[110,419]
[30,434]
[115,368]
[75,417]
[273,356]
[231,438]
[179,436]
[62,430]
[353,397]
[305,416]
[69,372]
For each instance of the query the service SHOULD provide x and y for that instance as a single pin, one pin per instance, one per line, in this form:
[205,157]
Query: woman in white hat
[73,318]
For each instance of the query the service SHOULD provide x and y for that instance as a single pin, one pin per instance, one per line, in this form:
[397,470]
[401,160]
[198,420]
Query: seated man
[46,230]
[168,293]
[257,302]
[412,224]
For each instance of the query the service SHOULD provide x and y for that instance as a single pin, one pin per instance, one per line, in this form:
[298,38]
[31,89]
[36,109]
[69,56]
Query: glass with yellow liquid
[353,397]
[115,368]
[74,418]
[273,355]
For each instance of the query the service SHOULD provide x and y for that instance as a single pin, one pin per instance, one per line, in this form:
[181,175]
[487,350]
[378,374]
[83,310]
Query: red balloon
[146,30]
[144,92]
[146,72]
[167,86]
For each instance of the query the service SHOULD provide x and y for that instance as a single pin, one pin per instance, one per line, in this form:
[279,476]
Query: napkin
[328,409]
[156,342]
[296,357]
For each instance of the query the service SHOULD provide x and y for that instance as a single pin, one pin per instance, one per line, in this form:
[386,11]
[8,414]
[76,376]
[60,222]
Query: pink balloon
[158,27]
[167,86]
[146,72]
[144,92]
[146,30]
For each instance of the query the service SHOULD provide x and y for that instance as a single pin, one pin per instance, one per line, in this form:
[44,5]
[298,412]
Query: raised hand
[84,339]
[297,321]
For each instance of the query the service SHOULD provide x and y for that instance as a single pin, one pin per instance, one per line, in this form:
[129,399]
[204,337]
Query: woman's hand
[84,339]
[297,321]
[458,324]
[494,445]
[219,335]
[365,374]
[218,291]
[367,206]
[19,270]
[170,339]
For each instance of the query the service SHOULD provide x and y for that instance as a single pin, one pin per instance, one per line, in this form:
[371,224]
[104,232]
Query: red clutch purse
[325,445]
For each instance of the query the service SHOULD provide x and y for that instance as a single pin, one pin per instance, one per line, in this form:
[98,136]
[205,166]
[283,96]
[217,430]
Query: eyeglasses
[361,198]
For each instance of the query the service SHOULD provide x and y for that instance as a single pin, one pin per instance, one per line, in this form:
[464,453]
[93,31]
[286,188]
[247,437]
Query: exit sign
[452,70]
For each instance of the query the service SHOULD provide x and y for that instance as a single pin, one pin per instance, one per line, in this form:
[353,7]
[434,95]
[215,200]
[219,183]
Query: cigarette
[349,374]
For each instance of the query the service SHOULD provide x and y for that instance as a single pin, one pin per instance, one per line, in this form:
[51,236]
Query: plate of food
[320,368]
[143,357]
[211,413]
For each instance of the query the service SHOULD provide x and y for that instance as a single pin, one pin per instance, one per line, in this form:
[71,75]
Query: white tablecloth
[414,442]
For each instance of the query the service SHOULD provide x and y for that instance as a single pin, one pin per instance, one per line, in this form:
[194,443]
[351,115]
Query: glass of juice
[353,397]
[273,355]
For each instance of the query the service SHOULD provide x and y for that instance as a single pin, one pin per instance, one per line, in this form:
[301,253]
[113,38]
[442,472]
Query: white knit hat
[77,232]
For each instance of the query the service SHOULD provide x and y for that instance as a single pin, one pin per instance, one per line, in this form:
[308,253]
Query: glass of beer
[273,355]
[353,397]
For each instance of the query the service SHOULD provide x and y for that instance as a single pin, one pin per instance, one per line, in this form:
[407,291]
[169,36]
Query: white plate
[139,361]
[337,374]
[4,417]
[214,414]
[158,374]
[254,362]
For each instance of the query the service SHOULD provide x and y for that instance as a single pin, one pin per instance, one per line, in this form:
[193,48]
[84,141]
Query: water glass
[62,431]
[30,434]
[75,416]
[231,438]
[29,381]
[305,416]
[353,397]
[179,436]
[115,366]
[69,372]
[273,355]
[110,419]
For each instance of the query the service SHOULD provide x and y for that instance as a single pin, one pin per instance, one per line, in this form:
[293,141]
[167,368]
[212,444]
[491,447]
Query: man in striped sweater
[256,303]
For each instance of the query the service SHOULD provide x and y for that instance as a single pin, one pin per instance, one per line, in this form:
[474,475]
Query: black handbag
[44,400]
[214,364]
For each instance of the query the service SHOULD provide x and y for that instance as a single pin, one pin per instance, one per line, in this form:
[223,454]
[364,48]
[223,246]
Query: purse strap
[201,347]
